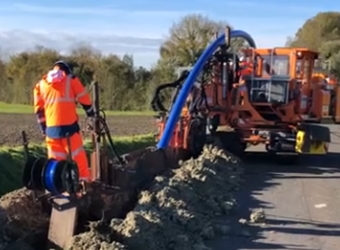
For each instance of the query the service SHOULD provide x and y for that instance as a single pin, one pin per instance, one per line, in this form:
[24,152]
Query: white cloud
[144,50]
[108,29]
[99,19]
[133,31]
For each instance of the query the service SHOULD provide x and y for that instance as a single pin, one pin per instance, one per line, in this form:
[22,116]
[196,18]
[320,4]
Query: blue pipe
[183,94]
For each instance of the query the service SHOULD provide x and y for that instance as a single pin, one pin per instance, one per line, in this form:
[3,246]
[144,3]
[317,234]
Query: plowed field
[13,124]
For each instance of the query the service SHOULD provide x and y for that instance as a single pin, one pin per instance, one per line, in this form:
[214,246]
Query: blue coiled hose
[49,176]
[183,94]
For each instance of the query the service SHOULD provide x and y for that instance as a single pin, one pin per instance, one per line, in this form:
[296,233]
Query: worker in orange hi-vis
[245,66]
[55,99]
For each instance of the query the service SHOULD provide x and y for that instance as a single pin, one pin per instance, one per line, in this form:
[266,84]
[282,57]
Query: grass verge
[27,109]
[12,159]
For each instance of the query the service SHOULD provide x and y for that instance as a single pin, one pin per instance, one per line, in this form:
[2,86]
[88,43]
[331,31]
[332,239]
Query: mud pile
[177,211]
[21,221]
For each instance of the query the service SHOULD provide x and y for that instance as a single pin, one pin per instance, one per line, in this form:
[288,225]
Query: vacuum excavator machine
[263,96]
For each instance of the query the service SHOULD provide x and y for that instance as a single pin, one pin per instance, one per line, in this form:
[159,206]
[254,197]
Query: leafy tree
[321,33]
[188,38]
[321,28]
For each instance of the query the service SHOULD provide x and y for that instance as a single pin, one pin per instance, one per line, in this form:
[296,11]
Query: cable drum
[61,176]
[32,176]
[55,176]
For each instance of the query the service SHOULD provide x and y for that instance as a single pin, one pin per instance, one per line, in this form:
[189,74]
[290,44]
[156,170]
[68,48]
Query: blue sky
[139,26]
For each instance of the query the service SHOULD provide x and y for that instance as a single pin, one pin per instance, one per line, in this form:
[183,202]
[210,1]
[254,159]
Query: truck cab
[285,76]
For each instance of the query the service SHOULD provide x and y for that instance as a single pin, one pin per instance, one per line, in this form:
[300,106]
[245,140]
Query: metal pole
[97,126]
[25,144]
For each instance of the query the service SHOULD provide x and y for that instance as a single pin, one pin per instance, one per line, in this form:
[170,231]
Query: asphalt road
[301,203]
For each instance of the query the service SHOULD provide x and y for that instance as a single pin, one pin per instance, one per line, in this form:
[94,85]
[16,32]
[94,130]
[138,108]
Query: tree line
[124,86]
[321,33]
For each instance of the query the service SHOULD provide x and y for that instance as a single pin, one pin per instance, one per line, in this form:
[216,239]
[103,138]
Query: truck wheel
[231,142]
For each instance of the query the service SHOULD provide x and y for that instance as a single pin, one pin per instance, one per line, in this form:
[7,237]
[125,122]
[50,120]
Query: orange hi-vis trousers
[58,149]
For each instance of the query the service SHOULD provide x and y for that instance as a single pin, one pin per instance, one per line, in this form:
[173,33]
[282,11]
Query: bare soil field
[13,124]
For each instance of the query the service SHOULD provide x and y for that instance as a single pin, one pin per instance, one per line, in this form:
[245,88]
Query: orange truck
[268,96]
[319,99]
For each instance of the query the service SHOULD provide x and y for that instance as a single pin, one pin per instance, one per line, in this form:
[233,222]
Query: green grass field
[12,159]
[27,109]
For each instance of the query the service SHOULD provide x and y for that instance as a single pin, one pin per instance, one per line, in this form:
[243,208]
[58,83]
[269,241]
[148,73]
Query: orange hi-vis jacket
[245,68]
[55,105]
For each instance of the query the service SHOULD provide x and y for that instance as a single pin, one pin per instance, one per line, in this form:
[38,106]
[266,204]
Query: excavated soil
[21,221]
[177,212]
[13,124]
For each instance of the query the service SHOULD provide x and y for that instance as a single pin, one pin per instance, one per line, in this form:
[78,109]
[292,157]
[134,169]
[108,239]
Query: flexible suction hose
[183,94]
